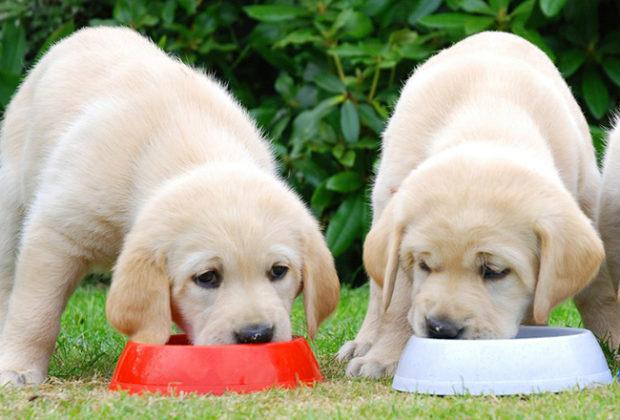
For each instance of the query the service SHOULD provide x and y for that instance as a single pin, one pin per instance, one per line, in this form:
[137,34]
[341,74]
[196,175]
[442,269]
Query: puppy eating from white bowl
[482,205]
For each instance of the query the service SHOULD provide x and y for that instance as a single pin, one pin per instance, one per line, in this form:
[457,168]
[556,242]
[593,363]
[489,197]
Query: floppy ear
[321,286]
[138,303]
[381,251]
[570,256]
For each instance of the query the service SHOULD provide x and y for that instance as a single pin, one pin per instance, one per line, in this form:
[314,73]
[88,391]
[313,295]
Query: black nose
[255,333]
[442,328]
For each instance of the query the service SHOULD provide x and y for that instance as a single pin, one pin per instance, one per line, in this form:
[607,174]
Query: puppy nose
[442,328]
[255,333]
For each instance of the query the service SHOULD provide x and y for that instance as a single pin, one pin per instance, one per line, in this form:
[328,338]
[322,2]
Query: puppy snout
[255,333]
[442,328]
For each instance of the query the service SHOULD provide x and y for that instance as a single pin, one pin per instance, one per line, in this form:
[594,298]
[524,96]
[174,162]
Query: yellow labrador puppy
[482,204]
[112,152]
[609,210]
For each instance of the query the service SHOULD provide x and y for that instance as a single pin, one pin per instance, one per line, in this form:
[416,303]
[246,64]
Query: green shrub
[321,77]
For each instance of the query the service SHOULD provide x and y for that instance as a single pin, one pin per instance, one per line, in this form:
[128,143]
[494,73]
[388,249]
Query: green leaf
[8,85]
[345,157]
[321,198]
[570,61]
[167,12]
[307,96]
[374,7]
[348,159]
[285,85]
[498,5]
[611,65]
[595,93]
[475,24]
[371,119]
[312,172]
[551,8]
[445,20]
[358,25]
[366,143]
[371,48]
[523,11]
[345,225]
[338,150]
[298,37]
[13,48]
[149,20]
[416,51]
[189,6]
[275,12]
[279,127]
[329,83]
[477,6]
[345,182]
[306,124]
[349,122]
[403,37]
[422,8]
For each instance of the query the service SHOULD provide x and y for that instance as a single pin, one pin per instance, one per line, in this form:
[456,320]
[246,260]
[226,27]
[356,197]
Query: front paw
[371,367]
[20,378]
[352,349]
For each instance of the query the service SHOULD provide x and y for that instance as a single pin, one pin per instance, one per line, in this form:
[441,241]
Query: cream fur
[112,153]
[487,159]
[608,218]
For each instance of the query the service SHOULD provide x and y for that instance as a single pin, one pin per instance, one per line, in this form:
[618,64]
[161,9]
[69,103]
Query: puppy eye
[424,267]
[277,272]
[488,273]
[209,280]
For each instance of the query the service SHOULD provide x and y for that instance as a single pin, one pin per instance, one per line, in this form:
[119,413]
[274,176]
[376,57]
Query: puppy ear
[570,256]
[381,251]
[321,286]
[138,303]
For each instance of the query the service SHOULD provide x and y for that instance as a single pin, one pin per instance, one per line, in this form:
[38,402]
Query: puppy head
[223,253]
[481,245]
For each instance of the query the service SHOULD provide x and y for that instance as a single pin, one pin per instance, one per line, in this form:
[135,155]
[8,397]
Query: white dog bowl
[539,359]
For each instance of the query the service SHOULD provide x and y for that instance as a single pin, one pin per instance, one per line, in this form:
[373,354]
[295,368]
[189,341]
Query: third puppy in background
[482,205]
[609,214]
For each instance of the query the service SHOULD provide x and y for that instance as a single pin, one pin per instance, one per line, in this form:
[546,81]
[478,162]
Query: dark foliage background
[321,77]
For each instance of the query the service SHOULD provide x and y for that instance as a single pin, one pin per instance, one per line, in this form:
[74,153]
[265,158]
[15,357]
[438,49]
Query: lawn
[88,348]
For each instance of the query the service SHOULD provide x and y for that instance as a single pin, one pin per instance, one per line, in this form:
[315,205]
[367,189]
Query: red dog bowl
[243,368]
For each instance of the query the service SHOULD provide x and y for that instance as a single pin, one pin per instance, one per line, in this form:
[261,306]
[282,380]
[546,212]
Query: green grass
[88,348]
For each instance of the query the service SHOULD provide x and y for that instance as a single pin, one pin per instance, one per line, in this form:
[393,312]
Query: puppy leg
[382,358]
[369,330]
[49,267]
[600,309]
[10,215]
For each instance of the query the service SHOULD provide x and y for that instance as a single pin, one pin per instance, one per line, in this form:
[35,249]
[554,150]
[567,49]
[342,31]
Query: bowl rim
[291,342]
[571,332]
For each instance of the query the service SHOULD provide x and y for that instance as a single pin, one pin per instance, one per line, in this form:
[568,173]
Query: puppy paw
[352,349]
[371,367]
[17,378]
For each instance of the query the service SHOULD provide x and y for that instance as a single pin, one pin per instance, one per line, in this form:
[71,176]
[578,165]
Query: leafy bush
[321,76]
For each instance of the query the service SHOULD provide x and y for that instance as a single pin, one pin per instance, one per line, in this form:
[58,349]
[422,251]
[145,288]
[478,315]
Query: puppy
[608,216]
[490,225]
[112,152]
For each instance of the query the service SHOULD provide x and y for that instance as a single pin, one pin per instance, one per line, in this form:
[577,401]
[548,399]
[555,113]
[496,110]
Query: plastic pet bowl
[242,368]
[539,359]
